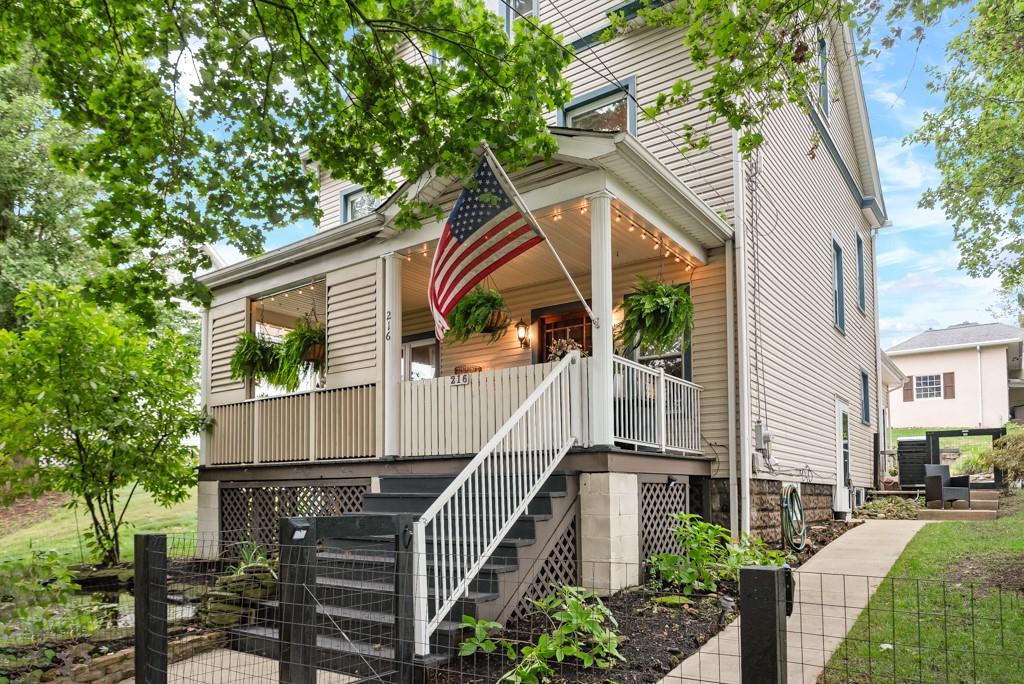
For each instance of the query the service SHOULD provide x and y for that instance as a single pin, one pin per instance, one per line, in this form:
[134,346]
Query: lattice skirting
[659,504]
[251,512]
[560,568]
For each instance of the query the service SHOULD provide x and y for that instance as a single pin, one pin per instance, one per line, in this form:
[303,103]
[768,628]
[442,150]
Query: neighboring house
[780,382]
[966,375]
[892,379]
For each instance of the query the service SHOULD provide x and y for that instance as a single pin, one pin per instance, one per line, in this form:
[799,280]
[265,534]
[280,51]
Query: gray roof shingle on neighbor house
[958,335]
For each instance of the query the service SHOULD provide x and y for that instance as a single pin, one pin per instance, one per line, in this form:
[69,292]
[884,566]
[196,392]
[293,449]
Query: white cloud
[902,166]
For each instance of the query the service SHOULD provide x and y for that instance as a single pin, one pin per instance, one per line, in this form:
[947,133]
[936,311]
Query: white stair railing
[468,521]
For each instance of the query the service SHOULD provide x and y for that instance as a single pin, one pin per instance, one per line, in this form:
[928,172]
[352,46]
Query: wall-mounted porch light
[523,334]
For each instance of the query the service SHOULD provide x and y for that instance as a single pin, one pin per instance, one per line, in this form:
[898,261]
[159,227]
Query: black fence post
[297,613]
[763,625]
[405,578]
[151,608]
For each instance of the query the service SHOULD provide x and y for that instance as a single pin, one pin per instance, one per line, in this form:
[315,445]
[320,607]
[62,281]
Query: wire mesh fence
[338,609]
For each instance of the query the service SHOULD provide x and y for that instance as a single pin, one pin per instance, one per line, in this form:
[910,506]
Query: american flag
[485,230]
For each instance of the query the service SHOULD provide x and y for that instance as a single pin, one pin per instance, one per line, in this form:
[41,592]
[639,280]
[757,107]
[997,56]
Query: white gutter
[746,447]
[730,370]
[883,438]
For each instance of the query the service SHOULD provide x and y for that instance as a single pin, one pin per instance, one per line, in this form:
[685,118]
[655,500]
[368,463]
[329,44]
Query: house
[965,376]
[779,381]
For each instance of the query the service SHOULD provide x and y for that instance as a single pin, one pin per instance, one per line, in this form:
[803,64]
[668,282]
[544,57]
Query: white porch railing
[653,409]
[469,519]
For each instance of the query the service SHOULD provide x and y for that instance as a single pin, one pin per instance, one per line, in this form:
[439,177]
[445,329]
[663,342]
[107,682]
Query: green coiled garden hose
[794,527]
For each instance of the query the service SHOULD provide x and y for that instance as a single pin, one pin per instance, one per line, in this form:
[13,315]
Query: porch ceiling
[567,226]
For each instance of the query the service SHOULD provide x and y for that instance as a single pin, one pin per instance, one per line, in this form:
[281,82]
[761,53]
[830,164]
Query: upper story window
[607,109]
[823,74]
[865,397]
[861,296]
[837,287]
[928,386]
[357,204]
[517,9]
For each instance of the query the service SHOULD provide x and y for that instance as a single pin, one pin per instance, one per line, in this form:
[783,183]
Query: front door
[841,499]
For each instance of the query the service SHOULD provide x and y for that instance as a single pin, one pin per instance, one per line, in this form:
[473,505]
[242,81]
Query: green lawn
[931,620]
[60,531]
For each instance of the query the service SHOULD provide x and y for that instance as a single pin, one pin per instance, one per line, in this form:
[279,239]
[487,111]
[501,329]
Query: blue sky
[920,286]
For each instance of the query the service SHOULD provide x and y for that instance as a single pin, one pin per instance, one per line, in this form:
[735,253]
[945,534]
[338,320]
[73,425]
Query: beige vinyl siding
[839,115]
[709,355]
[353,317]
[657,59]
[227,322]
[574,20]
[800,364]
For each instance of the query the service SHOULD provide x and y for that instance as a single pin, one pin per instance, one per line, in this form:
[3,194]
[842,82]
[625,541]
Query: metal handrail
[473,515]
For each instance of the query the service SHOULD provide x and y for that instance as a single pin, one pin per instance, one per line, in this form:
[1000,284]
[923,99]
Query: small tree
[92,402]
[1007,455]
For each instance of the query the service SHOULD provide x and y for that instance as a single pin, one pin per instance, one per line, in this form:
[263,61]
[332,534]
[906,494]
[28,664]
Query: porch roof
[624,165]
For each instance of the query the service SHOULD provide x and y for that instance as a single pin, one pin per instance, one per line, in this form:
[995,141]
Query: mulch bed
[818,536]
[655,639]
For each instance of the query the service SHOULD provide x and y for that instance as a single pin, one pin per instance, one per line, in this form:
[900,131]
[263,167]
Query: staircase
[984,506]
[354,581]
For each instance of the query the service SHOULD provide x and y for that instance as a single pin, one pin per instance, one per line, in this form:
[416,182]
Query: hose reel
[794,527]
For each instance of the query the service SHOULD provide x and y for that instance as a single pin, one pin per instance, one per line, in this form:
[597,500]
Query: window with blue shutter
[837,287]
[865,398]
[860,274]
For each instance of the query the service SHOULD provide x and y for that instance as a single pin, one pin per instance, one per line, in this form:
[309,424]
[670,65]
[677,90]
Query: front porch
[391,389]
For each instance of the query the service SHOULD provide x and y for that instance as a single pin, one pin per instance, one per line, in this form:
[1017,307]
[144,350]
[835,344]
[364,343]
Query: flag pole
[507,182]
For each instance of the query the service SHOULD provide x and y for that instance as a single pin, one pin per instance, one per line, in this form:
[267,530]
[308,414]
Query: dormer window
[517,9]
[356,204]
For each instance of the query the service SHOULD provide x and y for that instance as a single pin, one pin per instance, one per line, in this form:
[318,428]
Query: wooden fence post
[151,608]
[763,624]
[297,613]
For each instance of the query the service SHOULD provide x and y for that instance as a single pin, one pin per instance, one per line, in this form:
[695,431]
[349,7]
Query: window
[865,398]
[860,274]
[517,9]
[837,287]
[823,75]
[357,204]
[420,358]
[574,325]
[928,386]
[607,109]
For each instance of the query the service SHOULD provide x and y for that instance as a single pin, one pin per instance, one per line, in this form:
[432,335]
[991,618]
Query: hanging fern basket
[656,316]
[482,311]
[316,354]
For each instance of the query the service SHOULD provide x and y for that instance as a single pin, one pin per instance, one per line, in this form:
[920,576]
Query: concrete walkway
[832,588]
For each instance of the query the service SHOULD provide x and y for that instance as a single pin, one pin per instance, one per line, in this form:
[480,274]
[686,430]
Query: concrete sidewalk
[832,588]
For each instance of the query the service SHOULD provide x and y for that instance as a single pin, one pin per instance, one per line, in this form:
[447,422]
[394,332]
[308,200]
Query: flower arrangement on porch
[655,315]
[560,347]
[482,311]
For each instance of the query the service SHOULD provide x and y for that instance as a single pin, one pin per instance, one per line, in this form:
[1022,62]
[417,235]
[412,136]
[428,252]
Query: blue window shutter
[860,274]
[865,390]
[837,285]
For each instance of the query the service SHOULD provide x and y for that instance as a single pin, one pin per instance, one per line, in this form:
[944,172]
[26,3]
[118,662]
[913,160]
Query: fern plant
[656,315]
[255,358]
[480,311]
[295,357]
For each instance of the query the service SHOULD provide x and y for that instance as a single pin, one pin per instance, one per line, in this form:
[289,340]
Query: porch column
[602,411]
[392,372]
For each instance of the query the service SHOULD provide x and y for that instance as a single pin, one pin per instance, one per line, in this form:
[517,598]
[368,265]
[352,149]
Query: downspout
[742,320]
[981,392]
[730,369]
[883,438]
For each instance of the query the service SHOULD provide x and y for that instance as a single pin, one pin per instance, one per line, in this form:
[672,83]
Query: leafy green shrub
[970,464]
[1007,454]
[36,601]
[480,311]
[255,358]
[889,508]
[709,556]
[655,315]
[582,628]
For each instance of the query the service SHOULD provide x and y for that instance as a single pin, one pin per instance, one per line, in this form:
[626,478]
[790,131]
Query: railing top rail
[477,374]
[653,371]
[290,395]
[484,453]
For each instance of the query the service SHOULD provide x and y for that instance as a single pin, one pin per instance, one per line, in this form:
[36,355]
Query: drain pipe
[742,316]
[730,370]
